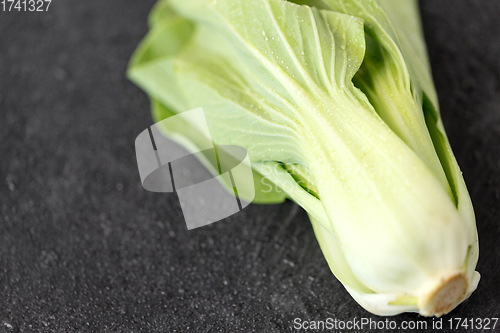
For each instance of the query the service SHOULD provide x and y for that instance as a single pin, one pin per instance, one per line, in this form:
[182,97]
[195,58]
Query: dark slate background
[85,249]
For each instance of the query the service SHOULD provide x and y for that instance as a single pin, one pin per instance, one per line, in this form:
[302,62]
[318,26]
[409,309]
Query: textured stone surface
[84,248]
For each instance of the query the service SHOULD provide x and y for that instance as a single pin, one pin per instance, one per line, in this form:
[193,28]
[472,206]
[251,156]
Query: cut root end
[445,297]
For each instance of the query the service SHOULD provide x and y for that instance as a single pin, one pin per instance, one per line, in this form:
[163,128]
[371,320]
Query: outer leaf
[397,79]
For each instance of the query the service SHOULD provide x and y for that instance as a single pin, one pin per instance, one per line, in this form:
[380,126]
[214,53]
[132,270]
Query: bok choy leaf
[335,104]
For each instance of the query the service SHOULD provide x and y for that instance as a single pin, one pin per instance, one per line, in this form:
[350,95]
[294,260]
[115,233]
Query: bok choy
[334,101]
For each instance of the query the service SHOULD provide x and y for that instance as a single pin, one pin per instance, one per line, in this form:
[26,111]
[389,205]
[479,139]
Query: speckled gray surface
[83,248]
